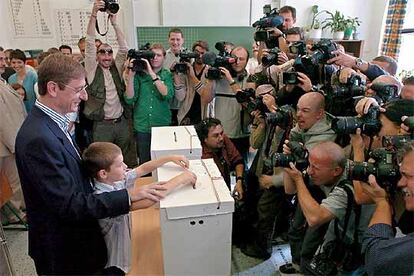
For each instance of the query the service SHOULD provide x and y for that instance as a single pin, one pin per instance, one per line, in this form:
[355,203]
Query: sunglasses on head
[105,51]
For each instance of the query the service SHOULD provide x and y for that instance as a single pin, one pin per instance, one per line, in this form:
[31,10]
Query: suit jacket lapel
[58,133]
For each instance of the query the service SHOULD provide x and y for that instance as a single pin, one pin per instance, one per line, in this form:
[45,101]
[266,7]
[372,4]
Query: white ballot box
[169,140]
[196,224]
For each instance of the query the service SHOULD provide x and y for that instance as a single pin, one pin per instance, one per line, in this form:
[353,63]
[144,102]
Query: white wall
[205,13]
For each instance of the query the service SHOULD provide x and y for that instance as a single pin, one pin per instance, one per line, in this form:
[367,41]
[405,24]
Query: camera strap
[107,26]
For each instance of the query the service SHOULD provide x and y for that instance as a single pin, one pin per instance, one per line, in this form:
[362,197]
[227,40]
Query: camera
[385,169]
[271,57]
[248,97]
[139,65]
[309,63]
[396,141]
[111,6]
[369,123]
[384,92]
[185,56]
[298,48]
[290,78]
[299,156]
[283,117]
[270,20]
[223,59]
[354,87]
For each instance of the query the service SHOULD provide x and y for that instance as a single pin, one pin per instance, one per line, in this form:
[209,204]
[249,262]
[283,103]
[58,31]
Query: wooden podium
[146,239]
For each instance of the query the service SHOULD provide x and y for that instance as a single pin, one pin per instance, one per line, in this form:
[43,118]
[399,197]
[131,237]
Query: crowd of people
[74,126]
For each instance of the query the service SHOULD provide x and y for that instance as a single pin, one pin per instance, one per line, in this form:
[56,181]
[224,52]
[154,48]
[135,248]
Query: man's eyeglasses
[76,90]
[105,51]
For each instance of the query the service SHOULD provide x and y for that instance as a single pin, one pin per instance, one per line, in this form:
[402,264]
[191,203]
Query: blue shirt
[28,84]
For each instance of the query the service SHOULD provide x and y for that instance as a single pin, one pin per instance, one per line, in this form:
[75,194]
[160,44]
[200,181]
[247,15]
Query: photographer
[233,116]
[265,198]
[327,170]
[390,120]
[385,254]
[188,87]
[311,129]
[294,34]
[105,105]
[149,92]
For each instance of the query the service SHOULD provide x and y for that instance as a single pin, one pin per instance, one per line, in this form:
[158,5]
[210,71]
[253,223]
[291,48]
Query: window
[406,56]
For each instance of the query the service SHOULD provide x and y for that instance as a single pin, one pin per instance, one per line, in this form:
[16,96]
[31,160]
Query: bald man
[311,129]
[327,170]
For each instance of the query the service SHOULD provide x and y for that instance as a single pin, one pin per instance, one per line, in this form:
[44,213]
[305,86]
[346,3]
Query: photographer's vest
[94,106]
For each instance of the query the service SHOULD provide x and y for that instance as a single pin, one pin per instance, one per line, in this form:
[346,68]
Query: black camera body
[111,6]
[139,65]
[290,78]
[384,92]
[271,57]
[299,156]
[369,123]
[185,56]
[396,141]
[283,117]
[385,169]
[298,48]
[309,63]
[354,87]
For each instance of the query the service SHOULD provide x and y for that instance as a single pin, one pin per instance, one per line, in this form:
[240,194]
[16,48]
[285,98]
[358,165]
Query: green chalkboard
[240,36]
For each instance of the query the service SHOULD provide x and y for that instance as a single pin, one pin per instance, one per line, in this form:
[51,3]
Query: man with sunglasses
[106,106]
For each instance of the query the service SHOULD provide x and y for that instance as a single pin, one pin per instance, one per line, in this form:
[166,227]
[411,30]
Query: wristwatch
[358,62]
[233,82]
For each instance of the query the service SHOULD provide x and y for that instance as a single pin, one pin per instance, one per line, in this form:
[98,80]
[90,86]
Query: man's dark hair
[286,9]
[18,54]
[203,127]
[398,108]
[176,30]
[408,80]
[200,43]
[392,63]
[1,49]
[65,47]
[295,31]
[81,40]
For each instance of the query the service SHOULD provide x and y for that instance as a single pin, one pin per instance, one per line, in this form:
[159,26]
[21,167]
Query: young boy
[104,162]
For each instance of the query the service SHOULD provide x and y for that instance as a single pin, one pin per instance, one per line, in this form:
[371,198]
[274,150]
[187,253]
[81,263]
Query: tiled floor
[241,264]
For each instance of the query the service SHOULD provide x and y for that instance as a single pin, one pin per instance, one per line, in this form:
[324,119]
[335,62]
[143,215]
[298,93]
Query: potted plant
[351,26]
[315,31]
[337,23]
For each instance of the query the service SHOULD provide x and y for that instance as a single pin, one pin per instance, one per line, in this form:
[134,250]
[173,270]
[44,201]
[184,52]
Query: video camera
[271,19]
[185,56]
[369,123]
[139,65]
[384,92]
[223,59]
[299,156]
[354,87]
[111,6]
[385,169]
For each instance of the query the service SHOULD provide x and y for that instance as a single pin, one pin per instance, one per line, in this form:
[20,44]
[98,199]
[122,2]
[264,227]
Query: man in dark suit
[62,211]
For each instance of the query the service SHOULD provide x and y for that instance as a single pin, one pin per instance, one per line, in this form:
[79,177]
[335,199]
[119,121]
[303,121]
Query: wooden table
[146,239]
